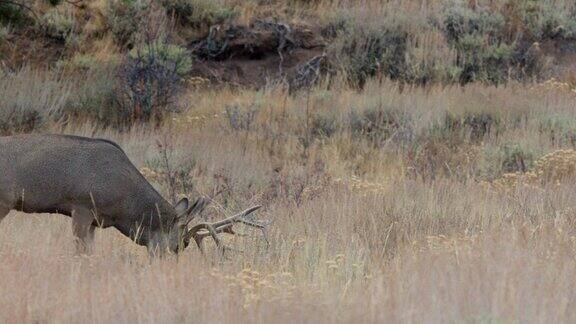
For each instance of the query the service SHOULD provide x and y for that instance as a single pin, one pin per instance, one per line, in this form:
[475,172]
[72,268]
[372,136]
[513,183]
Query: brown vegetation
[253,43]
[388,180]
[376,220]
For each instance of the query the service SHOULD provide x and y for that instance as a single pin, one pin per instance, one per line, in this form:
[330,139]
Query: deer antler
[205,229]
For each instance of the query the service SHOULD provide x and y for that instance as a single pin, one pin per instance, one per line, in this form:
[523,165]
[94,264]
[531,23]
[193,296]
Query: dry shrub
[553,168]
[33,98]
[30,98]
[354,238]
[123,19]
[198,13]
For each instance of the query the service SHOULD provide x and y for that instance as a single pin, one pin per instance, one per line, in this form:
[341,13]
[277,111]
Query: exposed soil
[28,47]
[563,58]
[248,56]
[256,54]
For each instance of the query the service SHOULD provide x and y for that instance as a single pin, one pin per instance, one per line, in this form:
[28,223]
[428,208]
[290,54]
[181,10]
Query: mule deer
[94,182]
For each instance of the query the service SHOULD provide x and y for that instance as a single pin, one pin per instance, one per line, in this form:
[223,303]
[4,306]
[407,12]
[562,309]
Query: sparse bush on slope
[457,43]
[198,13]
[13,13]
[124,18]
[58,25]
[442,42]
[151,78]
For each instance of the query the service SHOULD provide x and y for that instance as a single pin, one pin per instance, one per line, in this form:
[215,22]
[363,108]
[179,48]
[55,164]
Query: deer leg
[83,230]
[3,212]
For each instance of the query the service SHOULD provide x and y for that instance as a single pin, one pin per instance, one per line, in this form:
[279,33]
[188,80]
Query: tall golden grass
[393,203]
[399,230]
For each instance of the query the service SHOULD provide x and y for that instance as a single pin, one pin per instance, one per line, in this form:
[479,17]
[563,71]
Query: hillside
[251,43]
[417,158]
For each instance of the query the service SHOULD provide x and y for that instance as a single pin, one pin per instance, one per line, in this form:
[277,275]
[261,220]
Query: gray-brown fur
[75,175]
[94,182]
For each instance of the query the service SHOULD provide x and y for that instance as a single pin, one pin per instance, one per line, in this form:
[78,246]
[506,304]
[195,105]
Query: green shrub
[490,44]
[323,125]
[198,12]
[151,78]
[30,98]
[398,47]
[480,39]
[363,51]
[4,33]
[460,129]
[516,158]
[95,97]
[482,62]
[561,130]
[379,124]
[11,14]
[544,19]
[85,62]
[166,56]
[124,17]
[459,21]
[240,120]
[58,25]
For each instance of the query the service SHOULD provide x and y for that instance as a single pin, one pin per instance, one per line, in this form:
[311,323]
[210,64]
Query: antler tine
[202,230]
[241,218]
[238,217]
[199,237]
[263,226]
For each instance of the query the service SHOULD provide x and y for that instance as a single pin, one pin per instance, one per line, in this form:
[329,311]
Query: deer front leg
[83,230]
[3,211]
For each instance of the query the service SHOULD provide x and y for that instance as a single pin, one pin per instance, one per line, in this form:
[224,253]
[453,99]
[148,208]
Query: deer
[94,182]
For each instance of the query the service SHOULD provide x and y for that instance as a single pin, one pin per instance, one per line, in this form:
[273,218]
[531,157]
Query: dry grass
[379,196]
[518,274]
[415,41]
[456,254]
[367,229]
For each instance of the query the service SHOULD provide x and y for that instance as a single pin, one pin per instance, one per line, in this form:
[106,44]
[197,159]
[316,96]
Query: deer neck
[153,215]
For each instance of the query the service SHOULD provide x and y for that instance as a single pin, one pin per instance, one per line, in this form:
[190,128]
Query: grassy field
[426,176]
[399,214]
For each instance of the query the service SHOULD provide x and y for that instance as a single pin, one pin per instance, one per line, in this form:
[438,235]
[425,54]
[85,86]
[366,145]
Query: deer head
[181,233]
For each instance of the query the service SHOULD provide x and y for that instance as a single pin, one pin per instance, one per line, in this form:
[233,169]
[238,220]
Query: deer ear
[198,206]
[182,207]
